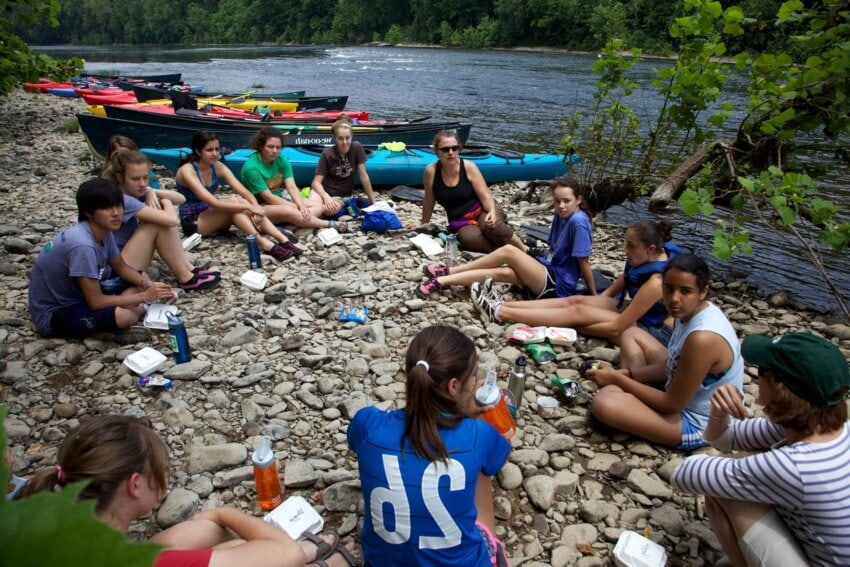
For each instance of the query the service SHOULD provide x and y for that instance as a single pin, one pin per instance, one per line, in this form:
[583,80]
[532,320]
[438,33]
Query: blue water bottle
[179,338]
[254,260]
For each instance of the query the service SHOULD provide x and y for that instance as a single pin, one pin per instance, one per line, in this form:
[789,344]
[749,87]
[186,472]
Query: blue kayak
[402,167]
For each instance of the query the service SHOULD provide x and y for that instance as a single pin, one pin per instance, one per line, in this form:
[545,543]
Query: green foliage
[395,35]
[71,126]
[17,63]
[54,529]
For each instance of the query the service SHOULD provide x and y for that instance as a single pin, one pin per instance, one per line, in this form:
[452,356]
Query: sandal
[349,557]
[323,548]
[340,226]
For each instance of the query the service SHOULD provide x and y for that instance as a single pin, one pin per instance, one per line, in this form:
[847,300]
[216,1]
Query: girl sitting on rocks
[266,172]
[403,456]
[150,223]
[606,315]
[666,398]
[555,275]
[126,464]
[119,143]
[197,180]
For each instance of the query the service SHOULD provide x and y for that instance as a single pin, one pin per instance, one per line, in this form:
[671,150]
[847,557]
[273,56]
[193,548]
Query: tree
[17,63]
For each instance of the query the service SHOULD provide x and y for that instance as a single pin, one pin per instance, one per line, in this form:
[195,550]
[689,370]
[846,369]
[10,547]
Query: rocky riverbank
[279,363]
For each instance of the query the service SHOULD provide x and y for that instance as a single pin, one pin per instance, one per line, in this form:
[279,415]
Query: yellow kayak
[240,103]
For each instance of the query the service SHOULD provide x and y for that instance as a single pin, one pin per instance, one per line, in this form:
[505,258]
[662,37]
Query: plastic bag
[380,217]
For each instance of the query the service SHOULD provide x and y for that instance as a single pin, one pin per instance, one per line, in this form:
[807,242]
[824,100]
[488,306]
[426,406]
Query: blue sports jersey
[419,512]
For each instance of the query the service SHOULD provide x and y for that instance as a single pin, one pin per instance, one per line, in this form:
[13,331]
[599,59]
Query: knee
[604,404]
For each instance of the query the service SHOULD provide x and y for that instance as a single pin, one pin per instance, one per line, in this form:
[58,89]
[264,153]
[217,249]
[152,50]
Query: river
[515,99]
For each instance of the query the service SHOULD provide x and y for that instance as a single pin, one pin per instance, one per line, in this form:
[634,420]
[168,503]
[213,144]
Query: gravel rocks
[279,363]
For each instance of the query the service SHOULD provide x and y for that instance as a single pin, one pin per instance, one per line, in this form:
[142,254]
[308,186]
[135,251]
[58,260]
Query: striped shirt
[807,483]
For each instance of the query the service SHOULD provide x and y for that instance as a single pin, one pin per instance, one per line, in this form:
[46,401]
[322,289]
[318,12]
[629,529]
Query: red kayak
[42,86]
[236,114]
[100,97]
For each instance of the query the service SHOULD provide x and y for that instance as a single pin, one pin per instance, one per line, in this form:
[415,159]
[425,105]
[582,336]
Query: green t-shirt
[259,177]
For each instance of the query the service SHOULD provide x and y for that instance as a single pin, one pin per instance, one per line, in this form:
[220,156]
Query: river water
[515,99]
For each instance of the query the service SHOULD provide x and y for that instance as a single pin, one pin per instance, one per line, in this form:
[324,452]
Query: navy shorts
[80,321]
[548,290]
[660,333]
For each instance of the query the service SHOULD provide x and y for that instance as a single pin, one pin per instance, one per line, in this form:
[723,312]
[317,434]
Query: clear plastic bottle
[500,416]
[269,491]
[451,250]
[516,383]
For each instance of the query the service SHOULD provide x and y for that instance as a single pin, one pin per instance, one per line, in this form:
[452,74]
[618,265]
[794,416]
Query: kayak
[221,110]
[390,167]
[145,92]
[238,134]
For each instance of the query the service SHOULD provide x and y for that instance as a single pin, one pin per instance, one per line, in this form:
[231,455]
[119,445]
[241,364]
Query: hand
[413,225]
[604,375]
[305,212]
[158,291]
[727,400]
[256,211]
[151,199]
[490,218]
[144,281]
[331,206]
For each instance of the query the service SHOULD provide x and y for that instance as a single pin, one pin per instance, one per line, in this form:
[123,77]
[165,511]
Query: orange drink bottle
[500,416]
[269,491]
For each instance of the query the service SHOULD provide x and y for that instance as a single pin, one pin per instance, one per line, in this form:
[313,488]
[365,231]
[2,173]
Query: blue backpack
[380,221]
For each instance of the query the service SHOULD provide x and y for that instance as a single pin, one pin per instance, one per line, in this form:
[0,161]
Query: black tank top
[455,200]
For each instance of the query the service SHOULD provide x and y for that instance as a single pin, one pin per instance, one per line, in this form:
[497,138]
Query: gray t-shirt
[73,253]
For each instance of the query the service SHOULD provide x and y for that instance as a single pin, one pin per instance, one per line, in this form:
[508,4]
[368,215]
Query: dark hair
[573,183]
[448,354]
[97,193]
[199,140]
[690,264]
[117,167]
[790,411]
[258,140]
[343,121]
[652,233]
[446,134]
[118,142]
[105,450]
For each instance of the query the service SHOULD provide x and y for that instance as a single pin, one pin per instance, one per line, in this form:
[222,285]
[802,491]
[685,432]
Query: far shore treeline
[567,24]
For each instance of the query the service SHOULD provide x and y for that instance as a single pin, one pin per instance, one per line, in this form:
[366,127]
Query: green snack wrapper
[541,352]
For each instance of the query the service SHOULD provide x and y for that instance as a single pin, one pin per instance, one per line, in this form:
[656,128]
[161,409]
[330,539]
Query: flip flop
[323,548]
[342,550]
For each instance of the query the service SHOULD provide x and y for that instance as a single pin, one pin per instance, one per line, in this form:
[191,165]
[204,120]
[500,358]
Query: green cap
[810,366]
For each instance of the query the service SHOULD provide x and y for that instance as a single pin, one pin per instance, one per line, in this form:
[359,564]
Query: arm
[173,196]
[186,176]
[648,295]
[482,192]
[132,298]
[484,502]
[166,216]
[330,205]
[725,402]
[295,195]
[365,182]
[429,201]
[587,274]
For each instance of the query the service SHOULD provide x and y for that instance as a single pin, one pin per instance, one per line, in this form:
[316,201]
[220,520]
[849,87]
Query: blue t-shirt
[419,512]
[569,239]
[73,253]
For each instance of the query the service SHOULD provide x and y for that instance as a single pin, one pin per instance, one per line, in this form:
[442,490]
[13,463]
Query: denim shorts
[661,333]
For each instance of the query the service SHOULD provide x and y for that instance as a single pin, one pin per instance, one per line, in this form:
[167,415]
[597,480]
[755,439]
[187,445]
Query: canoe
[111,97]
[387,167]
[106,77]
[98,130]
[218,111]
[145,92]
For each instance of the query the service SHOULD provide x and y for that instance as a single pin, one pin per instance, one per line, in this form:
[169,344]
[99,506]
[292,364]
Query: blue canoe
[405,167]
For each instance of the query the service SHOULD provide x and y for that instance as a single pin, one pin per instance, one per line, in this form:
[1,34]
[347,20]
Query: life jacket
[635,277]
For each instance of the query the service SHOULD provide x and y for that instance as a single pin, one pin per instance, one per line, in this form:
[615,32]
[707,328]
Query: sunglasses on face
[447,149]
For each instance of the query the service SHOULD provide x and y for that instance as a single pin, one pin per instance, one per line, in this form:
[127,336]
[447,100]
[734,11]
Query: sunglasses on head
[447,149]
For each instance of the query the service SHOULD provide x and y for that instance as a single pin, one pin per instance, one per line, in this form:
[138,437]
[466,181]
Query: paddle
[408,193]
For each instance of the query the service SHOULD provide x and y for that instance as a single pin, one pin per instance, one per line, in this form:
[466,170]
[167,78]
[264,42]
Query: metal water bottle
[269,491]
[516,383]
[254,260]
[179,338]
[451,250]
[500,416]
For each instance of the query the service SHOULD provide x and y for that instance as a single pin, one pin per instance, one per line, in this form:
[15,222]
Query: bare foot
[339,559]
[310,549]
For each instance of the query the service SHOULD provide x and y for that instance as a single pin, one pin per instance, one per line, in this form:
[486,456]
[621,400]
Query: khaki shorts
[770,543]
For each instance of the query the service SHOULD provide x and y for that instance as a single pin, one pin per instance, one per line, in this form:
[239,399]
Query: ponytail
[434,357]
[199,139]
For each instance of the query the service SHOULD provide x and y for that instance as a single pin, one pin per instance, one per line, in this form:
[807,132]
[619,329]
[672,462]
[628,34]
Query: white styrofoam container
[254,280]
[191,241]
[296,516]
[634,550]
[430,246]
[155,317]
[329,236]
[145,361]
[564,336]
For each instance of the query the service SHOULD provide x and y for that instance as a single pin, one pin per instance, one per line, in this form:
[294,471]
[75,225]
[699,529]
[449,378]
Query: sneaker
[487,286]
[291,246]
[435,270]
[205,271]
[291,236]
[426,289]
[200,281]
[485,303]
[538,252]
[281,253]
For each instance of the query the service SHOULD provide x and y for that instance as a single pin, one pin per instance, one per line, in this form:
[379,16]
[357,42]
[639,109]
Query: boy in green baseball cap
[786,501]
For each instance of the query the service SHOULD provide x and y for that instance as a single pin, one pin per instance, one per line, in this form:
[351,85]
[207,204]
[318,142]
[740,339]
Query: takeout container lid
[254,280]
[329,236]
[145,361]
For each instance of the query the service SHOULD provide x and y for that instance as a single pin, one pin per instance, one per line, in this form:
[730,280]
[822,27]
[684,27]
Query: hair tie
[60,474]
[425,364]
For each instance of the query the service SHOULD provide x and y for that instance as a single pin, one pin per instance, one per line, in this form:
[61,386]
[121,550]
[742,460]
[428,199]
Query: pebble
[279,363]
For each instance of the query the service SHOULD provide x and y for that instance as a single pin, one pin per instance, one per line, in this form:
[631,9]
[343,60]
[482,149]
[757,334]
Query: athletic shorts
[80,321]
[691,435]
[661,333]
[113,286]
[495,548]
[769,542]
[548,290]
